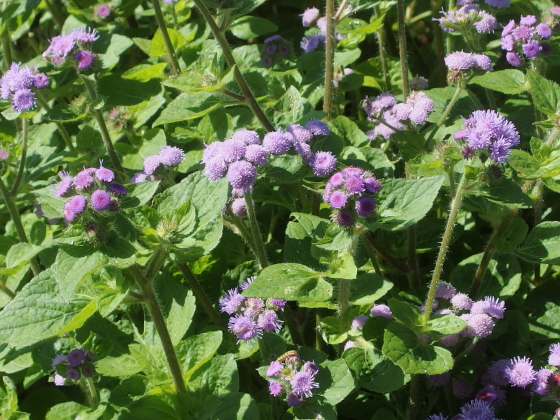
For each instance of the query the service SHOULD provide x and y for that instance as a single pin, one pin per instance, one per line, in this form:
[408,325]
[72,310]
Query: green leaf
[374,371]
[38,312]
[218,377]
[406,313]
[20,253]
[89,141]
[127,92]
[446,324]
[72,410]
[292,106]
[158,406]
[158,49]
[196,351]
[506,192]
[53,207]
[153,140]
[405,202]
[523,163]
[313,410]
[335,329]
[65,113]
[121,366]
[247,27]
[546,93]
[543,244]
[236,406]
[404,348]
[368,288]
[409,143]
[509,81]
[343,267]
[138,194]
[118,45]
[194,83]
[74,263]
[188,107]
[292,282]
[153,363]
[512,236]
[348,130]
[145,72]
[335,380]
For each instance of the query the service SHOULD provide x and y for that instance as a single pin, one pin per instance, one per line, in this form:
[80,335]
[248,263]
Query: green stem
[200,294]
[7,49]
[371,255]
[19,177]
[438,39]
[261,255]
[158,319]
[228,55]
[445,114]
[402,267]
[340,10]
[343,297]
[402,47]
[103,127]
[467,350]
[166,40]
[451,182]
[448,233]
[16,219]
[61,129]
[329,59]
[93,397]
[7,291]
[158,258]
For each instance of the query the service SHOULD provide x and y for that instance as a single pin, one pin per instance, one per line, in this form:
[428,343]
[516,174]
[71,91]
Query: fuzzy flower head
[244,327]
[294,377]
[310,16]
[491,132]
[348,190]
[75,42]
[520,372]
[461,302]
[19,84]
[468,20]
[479,325]
[491,306]
[381,310]
[275,51]
[445,291]
[526,40]
[460,60]
[477,409]
[554,357]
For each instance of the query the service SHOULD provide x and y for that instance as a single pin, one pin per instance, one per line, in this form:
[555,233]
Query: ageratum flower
[62,46]
[520,372]
[525,40]
[17,83]
[468,18]
[297,380]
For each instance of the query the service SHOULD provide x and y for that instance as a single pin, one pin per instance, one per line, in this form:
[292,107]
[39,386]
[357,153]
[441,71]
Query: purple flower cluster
[103,11]
[238,157]
[311,18]
[93,185]
[490,131]
[351,193]
[391,116]
[467,17]
[168,156]
[73,366]
[293,377]
[73,45]
[275,50]
[17,84]
[473,410]
[525,40]
[460,60]
[498,4]
[250,316]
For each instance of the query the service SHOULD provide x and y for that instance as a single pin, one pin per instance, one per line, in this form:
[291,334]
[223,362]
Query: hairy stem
[103,128]
[150,299]
[236,225]
[343,297]
[61,129]
[448,233]
[220,37]
[200,294]
[166,40]
[257,238]
[371,255]
[402,47]
[19,177]
[340,10]
[445,114]
[16,219]
[92,395]
[329,59]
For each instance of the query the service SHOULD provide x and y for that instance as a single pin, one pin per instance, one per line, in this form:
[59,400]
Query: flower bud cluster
[488,130]
[525,40]
[74,45]
[238,157]
[275,50]
[251,316]
[292,376]
[73,366]
[168,156]
[17,84]
[92,185]
[121,118]
[391,116]
[351,193]
[466,18]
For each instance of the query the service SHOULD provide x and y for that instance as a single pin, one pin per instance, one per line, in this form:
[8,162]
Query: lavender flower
[477,409]
[268,321]
[294,378]
[100,200]
[244,327]
[498,4]
[445,291]
[490,306]
[23,100]
[311,43]
[239,207]
[104,174]
[103,11]
[323,163]
[62,45]
[381,310]
[277,142]
[479,325]
[256,154]
[317,128]
[525,40]
[349,345]
[151,163]
[248,137]
[76,357]
[462,302]
[241,174]
[274,369]
[64,186]
[84,59]
[171,156]
[74,206]
[231,301]
[3,154]
[117,188]
[462,389]
[498,372]
[309,16]
[460,60]
[302,134]
[520,372]
[275,388]
[303,383]
[554,357]
[73,374]
[359,322]
[293,399]
[541,381]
